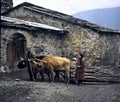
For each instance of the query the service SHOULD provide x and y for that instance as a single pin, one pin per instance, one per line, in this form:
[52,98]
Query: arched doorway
[16,48]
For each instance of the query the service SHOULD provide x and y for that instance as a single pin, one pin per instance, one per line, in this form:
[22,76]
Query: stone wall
[110,49]
[99,48]
[6,5]
[47,43]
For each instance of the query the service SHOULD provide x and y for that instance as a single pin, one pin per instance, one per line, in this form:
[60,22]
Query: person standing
[29,55]
[80,69]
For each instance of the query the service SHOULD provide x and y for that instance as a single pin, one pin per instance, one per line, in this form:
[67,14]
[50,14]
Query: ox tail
[70,78]
[70,69]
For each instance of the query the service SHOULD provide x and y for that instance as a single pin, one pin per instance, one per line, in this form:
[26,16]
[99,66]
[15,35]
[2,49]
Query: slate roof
[16,21]
[67,18]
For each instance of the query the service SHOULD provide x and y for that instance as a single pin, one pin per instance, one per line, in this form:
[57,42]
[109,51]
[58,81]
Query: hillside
[109,17]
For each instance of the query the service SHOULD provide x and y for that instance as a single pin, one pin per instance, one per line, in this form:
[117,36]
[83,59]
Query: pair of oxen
[52,65]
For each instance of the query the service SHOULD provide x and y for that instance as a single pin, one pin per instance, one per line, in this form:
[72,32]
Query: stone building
[6,5]
[53,33]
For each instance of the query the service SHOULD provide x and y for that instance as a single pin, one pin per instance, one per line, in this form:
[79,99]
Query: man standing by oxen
[29,55]
[26,63]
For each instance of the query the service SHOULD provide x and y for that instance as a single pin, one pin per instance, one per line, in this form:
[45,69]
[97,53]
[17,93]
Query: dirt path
[22,90]
[26,91]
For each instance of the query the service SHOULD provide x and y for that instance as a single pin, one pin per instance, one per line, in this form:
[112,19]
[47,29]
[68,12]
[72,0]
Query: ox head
[41,64]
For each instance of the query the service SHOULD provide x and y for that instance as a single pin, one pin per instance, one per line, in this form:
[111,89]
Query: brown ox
[55,64]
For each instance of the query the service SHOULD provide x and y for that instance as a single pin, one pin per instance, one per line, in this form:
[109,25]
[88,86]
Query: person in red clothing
[80,69]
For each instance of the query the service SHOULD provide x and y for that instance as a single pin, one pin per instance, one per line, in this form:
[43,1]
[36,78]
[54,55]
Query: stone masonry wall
[110,48]
[46,43]
[6,5]
[99,48]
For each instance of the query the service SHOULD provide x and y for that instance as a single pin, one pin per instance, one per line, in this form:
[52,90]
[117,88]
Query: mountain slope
[109,17]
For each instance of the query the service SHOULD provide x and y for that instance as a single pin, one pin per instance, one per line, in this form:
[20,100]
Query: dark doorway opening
[16,48]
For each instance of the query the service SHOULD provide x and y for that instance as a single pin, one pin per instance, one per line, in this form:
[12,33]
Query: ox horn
[21,58]
[43,61]
[34,62]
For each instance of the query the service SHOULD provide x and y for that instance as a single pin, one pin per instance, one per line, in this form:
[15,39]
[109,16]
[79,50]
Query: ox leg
[64,75]
[41,73]
[52,76]
[56,76]
[49,76]
[35,74]
[67,76]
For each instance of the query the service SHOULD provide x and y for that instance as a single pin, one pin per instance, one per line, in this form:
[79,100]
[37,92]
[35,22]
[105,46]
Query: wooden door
[16,48]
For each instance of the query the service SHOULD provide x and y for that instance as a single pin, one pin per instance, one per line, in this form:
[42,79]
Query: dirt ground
[20,90]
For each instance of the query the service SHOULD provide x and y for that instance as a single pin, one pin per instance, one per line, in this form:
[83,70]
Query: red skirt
[80,73]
